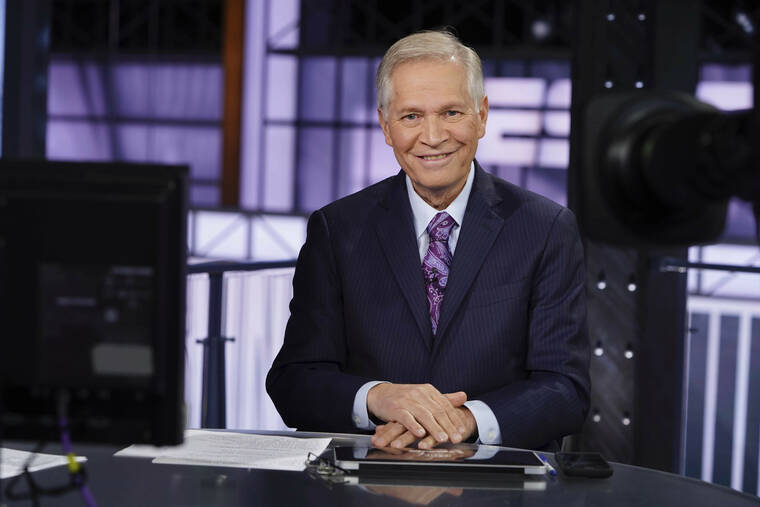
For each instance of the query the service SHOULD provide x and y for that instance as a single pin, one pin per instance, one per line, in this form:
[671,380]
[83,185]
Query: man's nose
[433,132]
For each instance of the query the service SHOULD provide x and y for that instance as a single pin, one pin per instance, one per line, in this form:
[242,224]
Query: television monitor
[92,300]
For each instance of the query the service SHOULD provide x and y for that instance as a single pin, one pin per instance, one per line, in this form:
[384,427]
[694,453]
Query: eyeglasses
[321,468]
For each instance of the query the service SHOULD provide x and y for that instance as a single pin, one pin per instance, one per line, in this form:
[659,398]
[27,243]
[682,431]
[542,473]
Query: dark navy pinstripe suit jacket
[512,330]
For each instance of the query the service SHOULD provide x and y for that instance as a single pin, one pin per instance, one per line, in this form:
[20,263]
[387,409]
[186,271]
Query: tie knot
[440,227]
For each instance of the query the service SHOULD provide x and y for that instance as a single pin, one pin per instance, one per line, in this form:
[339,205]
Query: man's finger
[404,440]
[430,422]
[427,443]
[387,433]
[457,399]
[436,413]
[448,418]
[421,408]
[409,422]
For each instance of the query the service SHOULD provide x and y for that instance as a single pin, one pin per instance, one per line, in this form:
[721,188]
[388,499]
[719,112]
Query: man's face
[433,127]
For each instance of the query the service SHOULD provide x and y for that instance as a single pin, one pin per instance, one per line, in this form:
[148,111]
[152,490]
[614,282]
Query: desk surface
[138,482]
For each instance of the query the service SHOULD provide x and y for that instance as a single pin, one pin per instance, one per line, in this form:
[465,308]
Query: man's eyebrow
[445,107]
[453,105]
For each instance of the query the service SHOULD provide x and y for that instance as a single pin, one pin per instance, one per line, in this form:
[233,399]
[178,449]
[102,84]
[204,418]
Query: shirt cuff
[360,415]
[488,426]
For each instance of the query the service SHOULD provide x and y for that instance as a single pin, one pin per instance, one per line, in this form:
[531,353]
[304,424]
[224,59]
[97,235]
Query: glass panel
[503,91]
[277,238]
[356,100]
[185,91]
[316,169]
[726,95]
[353,160]
[318,88]
[721,283]
[200,147]
[278,168]
[204,195]
[129,85]
[221,235]
[75,88]
[554,153]
[559,93]
[70,140]
[557,123]
[382,161]
[283,23]
[548,182]
[281,87]
[494,149]
[515,122]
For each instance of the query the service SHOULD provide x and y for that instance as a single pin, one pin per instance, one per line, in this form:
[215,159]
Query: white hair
[430,45]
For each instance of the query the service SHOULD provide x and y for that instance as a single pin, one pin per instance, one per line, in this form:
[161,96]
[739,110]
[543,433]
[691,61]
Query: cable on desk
[77,471]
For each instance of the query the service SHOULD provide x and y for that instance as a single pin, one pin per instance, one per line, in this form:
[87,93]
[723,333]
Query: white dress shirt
[423,213]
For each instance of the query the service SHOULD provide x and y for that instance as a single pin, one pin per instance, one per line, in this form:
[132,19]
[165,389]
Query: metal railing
[213,391]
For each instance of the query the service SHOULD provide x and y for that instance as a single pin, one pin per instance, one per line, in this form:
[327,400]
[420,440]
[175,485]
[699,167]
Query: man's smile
[438,156]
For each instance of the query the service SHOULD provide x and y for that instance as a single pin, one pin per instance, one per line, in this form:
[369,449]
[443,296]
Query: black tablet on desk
[440,460]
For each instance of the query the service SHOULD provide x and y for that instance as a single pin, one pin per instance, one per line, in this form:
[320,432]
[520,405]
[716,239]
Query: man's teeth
[434,157]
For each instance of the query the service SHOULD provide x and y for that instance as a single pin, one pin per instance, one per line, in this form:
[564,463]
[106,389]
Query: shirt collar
[423,212]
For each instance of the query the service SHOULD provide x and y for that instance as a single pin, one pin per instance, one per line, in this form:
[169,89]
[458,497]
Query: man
[443,302]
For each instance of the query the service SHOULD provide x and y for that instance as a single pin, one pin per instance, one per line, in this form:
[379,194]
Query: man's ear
[483,114]
[384,125]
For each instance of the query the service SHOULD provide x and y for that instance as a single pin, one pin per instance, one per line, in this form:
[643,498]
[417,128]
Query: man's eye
[452,114]
[410,116]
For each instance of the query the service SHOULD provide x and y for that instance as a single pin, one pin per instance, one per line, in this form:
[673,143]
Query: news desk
[118,481]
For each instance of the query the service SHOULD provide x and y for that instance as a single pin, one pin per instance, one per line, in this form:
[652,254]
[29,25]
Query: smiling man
[441,304]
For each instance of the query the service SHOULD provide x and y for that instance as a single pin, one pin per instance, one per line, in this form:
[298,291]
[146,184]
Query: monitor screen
[92,300]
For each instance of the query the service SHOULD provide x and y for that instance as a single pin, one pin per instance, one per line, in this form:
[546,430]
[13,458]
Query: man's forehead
[424,63]
[417,82]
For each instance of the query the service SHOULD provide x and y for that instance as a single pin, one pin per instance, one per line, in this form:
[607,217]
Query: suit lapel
[395,230]
[480,228]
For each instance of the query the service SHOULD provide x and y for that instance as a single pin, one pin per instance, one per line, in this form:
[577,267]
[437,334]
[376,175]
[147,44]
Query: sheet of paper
[12,462]
[241,450]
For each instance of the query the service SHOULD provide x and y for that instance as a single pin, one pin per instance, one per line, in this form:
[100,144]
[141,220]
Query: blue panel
[550,183]
[722,72]
[279,169]
[508,68]
[550,69]
[165,90]
[75,88]
[357,102]
[135,90]
[315,168]
[724,419]
[73,140]
[740,222]
[204,195]
[352,160]
[281,80]
[752,441]
[198,146]
[695,409]
[317,90]
[186,91]
[127,90]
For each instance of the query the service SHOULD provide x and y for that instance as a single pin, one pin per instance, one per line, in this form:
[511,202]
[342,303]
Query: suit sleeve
[306,382]
[553,399]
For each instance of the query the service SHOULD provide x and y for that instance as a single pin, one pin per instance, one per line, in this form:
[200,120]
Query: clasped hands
[418,411]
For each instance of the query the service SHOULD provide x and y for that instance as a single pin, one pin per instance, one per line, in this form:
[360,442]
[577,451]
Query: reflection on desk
[136,481]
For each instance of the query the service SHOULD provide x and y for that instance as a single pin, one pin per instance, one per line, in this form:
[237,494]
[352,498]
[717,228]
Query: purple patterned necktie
[435,265]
